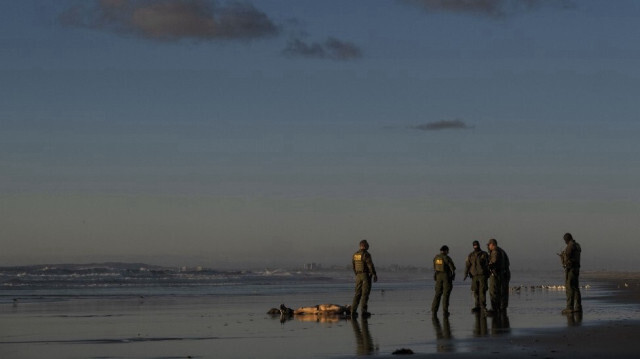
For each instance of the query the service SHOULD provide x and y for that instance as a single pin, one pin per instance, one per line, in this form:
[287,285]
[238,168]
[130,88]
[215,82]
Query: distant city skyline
[279,133]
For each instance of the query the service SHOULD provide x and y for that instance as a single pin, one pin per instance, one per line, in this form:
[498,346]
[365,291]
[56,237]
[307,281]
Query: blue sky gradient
[274,133]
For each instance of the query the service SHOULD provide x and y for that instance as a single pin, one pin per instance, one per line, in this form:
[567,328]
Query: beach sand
[238,327]
[613,339]
[604,339]
[607,340]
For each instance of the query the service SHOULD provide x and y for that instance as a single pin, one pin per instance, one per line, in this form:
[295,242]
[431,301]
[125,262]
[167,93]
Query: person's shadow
[444,338]
[364,341]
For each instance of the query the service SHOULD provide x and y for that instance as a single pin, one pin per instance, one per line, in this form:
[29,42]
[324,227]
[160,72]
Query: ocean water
[138,311]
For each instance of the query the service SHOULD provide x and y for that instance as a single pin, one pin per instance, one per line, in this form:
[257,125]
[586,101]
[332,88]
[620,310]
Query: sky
[277,133]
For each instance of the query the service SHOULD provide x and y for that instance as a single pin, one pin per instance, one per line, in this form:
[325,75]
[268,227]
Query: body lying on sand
[331,310]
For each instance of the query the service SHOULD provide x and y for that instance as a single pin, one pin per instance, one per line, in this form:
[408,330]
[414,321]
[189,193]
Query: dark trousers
[494,291]
[363,288]
[572,287]
[499,292]
[444,286]
[504,292]
[479,289]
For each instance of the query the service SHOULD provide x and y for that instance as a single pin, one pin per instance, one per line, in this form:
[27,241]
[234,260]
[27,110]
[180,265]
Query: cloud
[488,8]
[168,20]
[442,125]
[332,48]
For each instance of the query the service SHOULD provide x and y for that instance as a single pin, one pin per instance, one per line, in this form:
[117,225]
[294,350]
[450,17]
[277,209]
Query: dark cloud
[332,48]
[489,8]
[442,125]
[169,20]
[341,50]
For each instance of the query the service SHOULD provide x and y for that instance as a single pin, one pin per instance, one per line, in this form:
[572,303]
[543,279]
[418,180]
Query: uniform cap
[476,243]
[444,248]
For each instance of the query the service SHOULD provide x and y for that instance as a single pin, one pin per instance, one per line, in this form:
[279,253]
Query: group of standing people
[487,270]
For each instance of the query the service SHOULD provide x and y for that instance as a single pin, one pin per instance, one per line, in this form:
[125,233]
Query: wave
[138,275]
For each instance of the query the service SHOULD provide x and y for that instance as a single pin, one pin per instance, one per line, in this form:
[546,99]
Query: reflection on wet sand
[500,324]
[574,319]
[444,339]
[319,318]
[480,327]
[365,345]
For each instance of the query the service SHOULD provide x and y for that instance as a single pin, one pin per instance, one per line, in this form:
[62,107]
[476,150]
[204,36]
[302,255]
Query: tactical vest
[438,263]
[358,261]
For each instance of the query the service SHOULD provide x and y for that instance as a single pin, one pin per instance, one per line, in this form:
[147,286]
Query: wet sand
[238,327]
[613,339]
[604,339]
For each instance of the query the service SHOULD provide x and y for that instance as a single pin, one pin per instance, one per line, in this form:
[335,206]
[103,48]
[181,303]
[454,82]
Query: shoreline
[602,339]
[623,287]
[236,326]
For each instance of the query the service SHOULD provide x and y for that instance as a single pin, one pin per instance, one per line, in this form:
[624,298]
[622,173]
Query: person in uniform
[571,263]
[365,271]
[477,267]
[500,275]
[506,278]
[445,273]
